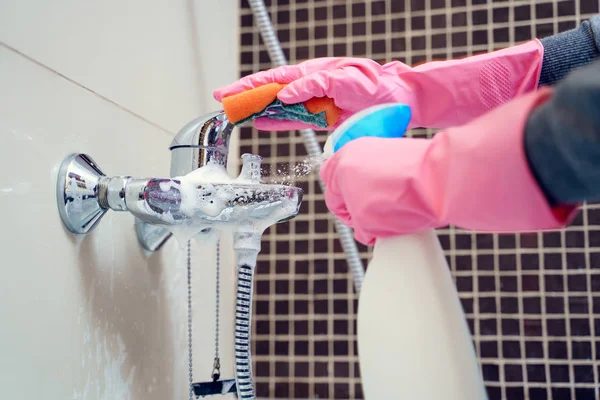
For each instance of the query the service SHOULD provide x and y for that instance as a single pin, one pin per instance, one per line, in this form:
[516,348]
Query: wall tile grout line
[87,89]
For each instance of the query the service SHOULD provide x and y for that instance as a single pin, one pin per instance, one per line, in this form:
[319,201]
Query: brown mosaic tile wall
[531,300]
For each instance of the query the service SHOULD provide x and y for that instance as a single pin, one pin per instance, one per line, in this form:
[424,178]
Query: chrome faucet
[203,140]
[85,194]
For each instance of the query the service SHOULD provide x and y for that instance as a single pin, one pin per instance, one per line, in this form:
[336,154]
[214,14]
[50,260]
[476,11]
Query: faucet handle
[251,164]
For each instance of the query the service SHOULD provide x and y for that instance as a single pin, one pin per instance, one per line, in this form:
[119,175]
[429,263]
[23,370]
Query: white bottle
[413,339]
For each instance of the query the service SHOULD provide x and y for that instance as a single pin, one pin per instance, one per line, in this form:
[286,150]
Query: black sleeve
[562,139]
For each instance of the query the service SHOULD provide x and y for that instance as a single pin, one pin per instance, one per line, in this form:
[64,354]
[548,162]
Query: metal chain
[189,288]
[216,373]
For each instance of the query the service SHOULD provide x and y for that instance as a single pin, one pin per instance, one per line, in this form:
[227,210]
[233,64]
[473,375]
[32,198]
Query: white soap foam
[197,186]
[167,185]
[200,194]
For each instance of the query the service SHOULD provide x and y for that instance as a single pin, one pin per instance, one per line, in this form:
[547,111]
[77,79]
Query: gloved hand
[475,177]
[441,94]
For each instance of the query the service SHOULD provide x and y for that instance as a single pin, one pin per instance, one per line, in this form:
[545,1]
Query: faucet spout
[201,141]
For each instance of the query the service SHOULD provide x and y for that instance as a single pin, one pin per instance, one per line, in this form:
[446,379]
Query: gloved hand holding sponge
[474,174]
[440,94]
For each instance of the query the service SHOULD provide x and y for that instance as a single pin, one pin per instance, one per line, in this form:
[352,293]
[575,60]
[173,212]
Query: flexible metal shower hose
[313,148]
[243,322]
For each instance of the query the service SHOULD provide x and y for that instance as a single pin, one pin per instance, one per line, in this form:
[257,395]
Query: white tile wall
[159,59]
[95,317]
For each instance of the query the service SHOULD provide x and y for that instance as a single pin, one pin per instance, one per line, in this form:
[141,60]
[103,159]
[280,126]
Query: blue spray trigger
[384,121]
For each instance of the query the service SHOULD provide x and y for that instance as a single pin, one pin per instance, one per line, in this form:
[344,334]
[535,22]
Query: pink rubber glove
[441,94]
[475,177]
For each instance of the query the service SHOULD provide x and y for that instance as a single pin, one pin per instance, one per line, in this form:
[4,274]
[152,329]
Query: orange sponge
[241,106]
[324,104]
[252,103]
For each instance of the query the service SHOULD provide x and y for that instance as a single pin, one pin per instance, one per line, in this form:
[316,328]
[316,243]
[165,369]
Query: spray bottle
[413,339]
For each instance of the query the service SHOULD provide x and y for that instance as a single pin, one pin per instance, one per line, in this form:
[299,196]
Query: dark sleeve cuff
[569,50]
[562,139]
